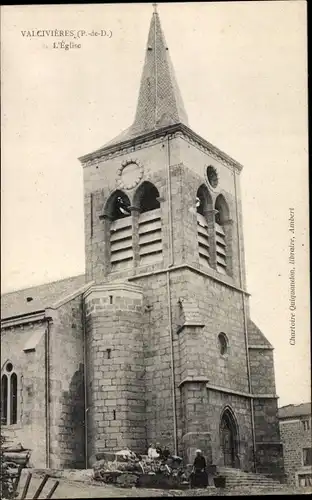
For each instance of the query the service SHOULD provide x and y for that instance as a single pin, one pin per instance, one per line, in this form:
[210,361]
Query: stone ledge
[199,378]
[111,286]
[191,268]
[241,393]
[264,347]
[190,324]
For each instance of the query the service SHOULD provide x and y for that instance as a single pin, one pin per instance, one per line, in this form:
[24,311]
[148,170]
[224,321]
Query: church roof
[291,411]
[17,303]
[255,336]
[159,103]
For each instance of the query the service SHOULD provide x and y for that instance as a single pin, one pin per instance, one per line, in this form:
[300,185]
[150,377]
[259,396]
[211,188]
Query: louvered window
[220,249]
[203,240]
[121,244]
[150,238]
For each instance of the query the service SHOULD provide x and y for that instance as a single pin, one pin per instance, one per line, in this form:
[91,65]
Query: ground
[90,489]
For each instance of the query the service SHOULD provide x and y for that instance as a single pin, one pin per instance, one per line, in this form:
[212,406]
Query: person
[165,453]
[199,477]
[152,453]
[159,450]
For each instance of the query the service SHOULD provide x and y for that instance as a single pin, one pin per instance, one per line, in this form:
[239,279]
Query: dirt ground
[78,489]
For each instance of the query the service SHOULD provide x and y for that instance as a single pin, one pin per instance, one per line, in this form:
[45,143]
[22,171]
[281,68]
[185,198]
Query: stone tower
[172,354]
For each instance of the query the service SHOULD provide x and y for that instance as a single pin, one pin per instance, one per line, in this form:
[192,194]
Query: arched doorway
[229,439]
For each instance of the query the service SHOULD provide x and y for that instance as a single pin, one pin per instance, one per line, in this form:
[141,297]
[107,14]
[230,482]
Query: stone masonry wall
[115,379]
[67,386]
[196,350]
[188,170]
[262,370]
[295,437]
[269,448]
[240,407]
[220,309]
[30,429]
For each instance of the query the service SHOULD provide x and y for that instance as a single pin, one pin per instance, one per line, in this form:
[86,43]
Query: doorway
[229,439]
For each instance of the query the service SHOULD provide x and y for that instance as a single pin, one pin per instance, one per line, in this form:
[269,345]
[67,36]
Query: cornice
[110,287]
[19,321]
[154,137]
[191,268]
[240,393]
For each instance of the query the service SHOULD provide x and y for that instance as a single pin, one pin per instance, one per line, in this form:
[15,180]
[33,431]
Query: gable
[255,336]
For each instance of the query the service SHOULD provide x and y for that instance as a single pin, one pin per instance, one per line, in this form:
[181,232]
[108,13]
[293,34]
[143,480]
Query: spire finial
[155,8]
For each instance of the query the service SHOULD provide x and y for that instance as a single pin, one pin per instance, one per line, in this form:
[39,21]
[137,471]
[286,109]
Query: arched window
[203,206]
[9,395]
[223,343]
[146,199]
[117,206]
[221,217]
[117,211]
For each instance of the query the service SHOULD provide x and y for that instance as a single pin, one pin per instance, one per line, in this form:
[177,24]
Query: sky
[242,71]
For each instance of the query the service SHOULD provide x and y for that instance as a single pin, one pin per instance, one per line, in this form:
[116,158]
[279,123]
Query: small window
[306,425]
[212,176]
[223,343]
[9,395]
[307,456]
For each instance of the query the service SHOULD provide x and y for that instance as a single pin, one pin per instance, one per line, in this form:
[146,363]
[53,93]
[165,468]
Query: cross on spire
[155,8]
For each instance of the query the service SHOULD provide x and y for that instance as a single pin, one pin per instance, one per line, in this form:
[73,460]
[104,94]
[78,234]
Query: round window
[9,367]
[212,176]
[223,343]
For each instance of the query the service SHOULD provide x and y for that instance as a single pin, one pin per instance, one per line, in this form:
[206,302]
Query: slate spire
[159,103]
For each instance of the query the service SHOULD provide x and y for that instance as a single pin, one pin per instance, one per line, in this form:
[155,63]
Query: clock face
[130,174]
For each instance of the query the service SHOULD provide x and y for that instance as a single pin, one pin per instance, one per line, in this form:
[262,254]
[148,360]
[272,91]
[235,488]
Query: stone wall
[268,443]
[262,370]
[195,349]
[115,378]
[30,429]
[67,386]
[166,353]
[240,408]
[295,436]
[187,171]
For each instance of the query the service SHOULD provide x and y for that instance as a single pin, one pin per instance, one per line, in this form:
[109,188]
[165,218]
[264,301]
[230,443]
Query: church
[154,343]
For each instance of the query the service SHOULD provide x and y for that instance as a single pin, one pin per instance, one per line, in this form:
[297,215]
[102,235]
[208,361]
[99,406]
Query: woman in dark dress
[199,477]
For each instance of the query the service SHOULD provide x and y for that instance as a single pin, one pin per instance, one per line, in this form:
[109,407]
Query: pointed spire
[159,103]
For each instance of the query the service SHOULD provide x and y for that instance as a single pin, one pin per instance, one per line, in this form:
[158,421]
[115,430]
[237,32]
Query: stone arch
[222,210]
[117,206]
[146,197]
[229,438]
[203,200]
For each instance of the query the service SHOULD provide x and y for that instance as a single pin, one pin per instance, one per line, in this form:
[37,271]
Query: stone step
[237,479]
[250,480]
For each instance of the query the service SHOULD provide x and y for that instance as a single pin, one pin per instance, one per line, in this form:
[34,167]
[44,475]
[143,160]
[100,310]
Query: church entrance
[228,439]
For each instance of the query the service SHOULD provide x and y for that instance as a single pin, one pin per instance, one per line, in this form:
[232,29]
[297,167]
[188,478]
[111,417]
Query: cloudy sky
[242,70]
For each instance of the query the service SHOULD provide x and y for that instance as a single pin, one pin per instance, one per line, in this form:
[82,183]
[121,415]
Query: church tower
[172,354]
